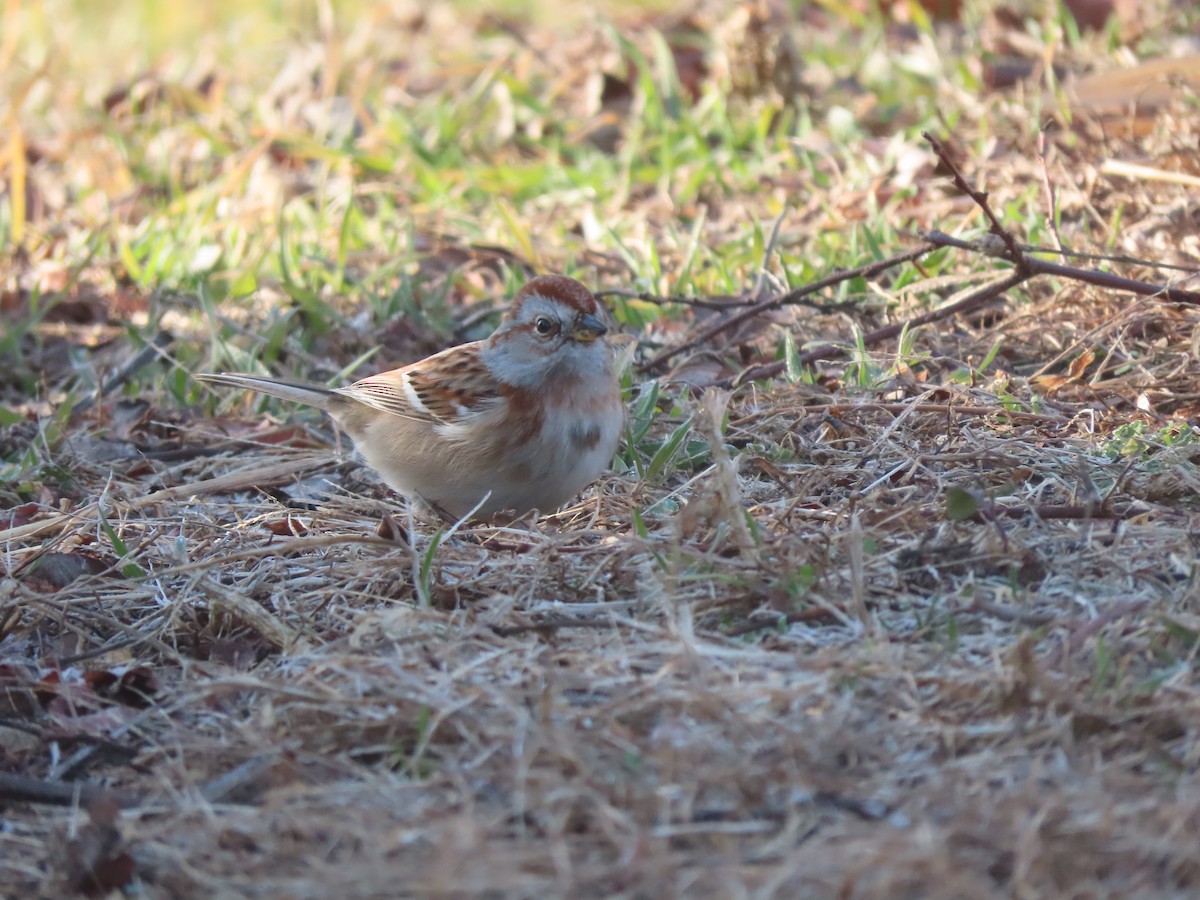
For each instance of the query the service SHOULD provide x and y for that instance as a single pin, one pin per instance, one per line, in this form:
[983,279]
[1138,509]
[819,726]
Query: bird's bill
[589,328]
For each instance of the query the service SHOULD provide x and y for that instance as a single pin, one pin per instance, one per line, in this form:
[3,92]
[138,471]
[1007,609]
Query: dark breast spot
[585,437]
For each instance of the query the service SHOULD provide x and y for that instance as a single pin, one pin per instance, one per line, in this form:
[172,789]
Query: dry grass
[920,623]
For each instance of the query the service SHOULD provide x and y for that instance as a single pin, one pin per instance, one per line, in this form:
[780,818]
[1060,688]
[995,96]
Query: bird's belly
[541,474]
[568,458]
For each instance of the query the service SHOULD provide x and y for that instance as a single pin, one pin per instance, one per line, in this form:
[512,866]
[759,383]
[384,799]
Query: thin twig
[1007,613]
[970,303]
[1015,254]
[722,305]
[155,349]
[1071,512]
[813,615]
[1082,630]
[1100,257]
[549,624]
[844,410]
[243,479]
[763,271]
[790,298]
[1048,188]
[1087,276]
[22,788]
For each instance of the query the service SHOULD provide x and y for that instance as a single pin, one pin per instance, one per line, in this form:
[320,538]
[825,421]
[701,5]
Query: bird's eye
[544,325]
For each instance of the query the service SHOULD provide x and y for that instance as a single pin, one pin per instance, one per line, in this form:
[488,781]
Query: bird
[521,421]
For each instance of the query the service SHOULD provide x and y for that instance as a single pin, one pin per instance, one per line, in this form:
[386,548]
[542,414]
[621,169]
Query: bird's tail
[308,394]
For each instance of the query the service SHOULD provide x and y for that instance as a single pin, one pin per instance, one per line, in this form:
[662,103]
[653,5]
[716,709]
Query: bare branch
[790,298]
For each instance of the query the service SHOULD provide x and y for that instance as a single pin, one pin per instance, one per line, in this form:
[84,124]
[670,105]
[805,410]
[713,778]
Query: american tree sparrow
[523,420]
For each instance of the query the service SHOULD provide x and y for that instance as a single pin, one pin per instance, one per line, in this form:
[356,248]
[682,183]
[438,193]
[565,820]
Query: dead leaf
[288,526]
[1094,14]
[135,686]
[1080,363]
[19,515]
[54,571]
[18,696]
[391,530]
[1075,372]
[237,653]
[1126,100]
[95,861]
